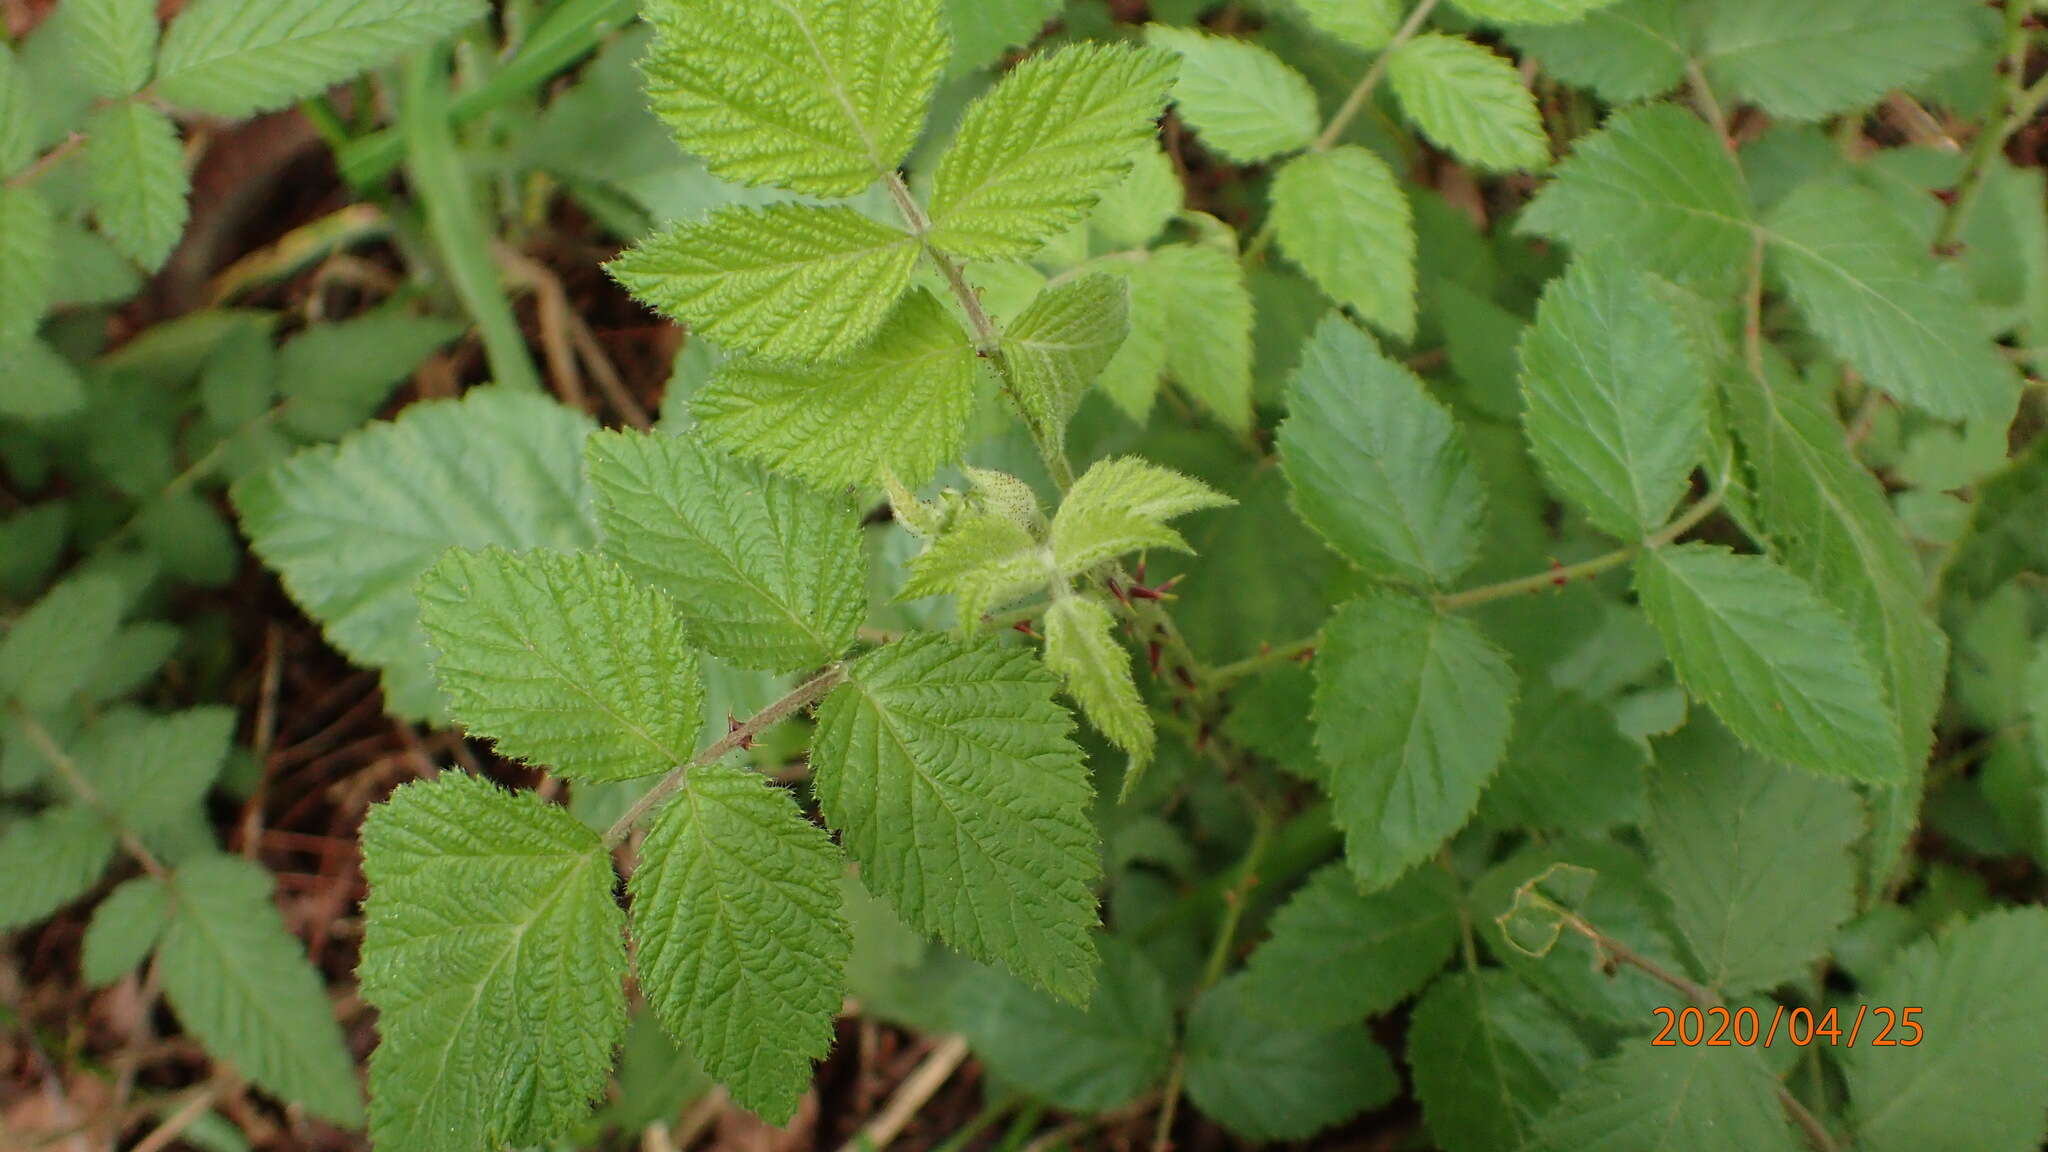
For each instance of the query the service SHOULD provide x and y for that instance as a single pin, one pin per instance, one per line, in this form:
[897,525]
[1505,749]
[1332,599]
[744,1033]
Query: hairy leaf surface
[1242,100]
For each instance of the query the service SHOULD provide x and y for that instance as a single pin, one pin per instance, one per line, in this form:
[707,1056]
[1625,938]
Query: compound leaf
[1060,343]
[51,858]
[111,42]
[51,650]
[1208,313]
[1469,100]
[1341,215]
[138,180]
[124,927]
[1242,100]
[1080,645]
[149,770]
[1338,955]
[1122,505]
[984,560]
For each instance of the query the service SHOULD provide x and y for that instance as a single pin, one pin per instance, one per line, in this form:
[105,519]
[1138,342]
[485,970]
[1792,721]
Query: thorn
[1152,652]
[1117,590]
[1024,626]
[1946,251]
[732,725]
[1180,673]
[1947,196]
[1140,592]
[1201,738]
[1557,577]
[1141,570]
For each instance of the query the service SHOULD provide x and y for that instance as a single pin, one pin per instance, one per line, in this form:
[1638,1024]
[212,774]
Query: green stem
[1584,569]
[2017,109]
[68,769]
[1224,675]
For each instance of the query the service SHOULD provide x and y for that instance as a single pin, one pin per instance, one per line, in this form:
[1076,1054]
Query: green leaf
[39,384]
[1122,505]
[1697,1098]
[1531,11]
[124,927]
[899,405]
[1090,1059]
[111,42]
[1624,52]
[336,375]
[739,937]
[984,560]
[817,96]
[18,114]
[27,251]
[1375,464]
[1286,1083]
[1568,765]
[51,650]
[349,528]
[1757,859]
[563,661]
[1341,215]
[766,573]
[1338,955]
[1469,100]
[1982,1009]
[1242,100]
[138,181]
[1060,343]
[1829,56]
[147,770]
[1209,314]
[794,282]
[1777,664]
[1871,290]
[982,29]
[495,961]
[234,58]
[1617,403]
[51,859]
[240,982]
[1034,155]
[1081,647]
[1366,24]
[1489,1057]
[948,770]
[1657,185]
[1412,714]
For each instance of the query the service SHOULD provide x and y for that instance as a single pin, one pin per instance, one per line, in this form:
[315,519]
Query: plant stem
[2018,107]
[87,795]
[1224,675]
[804,695]
[1584,569]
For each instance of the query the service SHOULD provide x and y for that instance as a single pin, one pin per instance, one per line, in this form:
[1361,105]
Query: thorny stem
[1224,675]
[1585,569]
[2017,109]
[87,795]
[803,696]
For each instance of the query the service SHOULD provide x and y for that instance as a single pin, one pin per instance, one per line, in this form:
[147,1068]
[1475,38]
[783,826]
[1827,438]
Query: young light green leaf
[1081,647]
[51,650]
[1657,185]
[1060,343]
[818,96]
[1871,291]
[1122,505]
[1268,1083]
[1489,1057]
[1338,955]
[234,58]
[1375,464]
[1616,402]
[899,405]
[51,859]
[795,282]
[1981,1009]
[39,384]
[1366,24]
[1412,714]
[111,42]
[984,560]
[27,251]
[766,573]
[124,927]
[336,375]
[563,661]
[1708,1099]
[350,528]
[138,180]
[1034,155]
[1625,52]
[1085,1059]
[1777,664]
[739,939]
[1468,100]
[1242,100]
[241,983]
[1209,314]
[1341,215]
[948,770]
[1757,859]
[1829,56]
[1531,11]
[494,957]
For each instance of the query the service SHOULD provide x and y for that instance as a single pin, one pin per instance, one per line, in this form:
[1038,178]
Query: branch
[87,795]
[1587,569]
[2015,111]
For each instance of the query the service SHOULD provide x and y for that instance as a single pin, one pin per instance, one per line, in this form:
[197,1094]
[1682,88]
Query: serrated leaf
[1658,186]
[1242,100]
[1568,766]
[494,957]
[1081,647]
[1468,100]
[766,573]
[1412,714]
[1135,210]
[27,251]
[948,770]
[234,58]
[563,661]
[982,29]
[1624,52]
[349,528]
[984,560]
[111,42]
[1776,663]
[899,405]
[1122,505]
[1870,289]
[1757,859]
[1616,402]
[39,383]
[1209,314]
[336,375]
[1087,1059]
[1341,215]
[1034,155]
[739,939]
[797,282]
[1697,1098]
[51,859]
[124,928]
[147,770]
[1375,464]
[1338,955]
[1060,343]
[1981,1008]
[1269,1083]
[1829,56]
[52,649]
[1489,1057]
[1531,11]
[138,181]
[1366,24]
[241,984]
[817,96]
